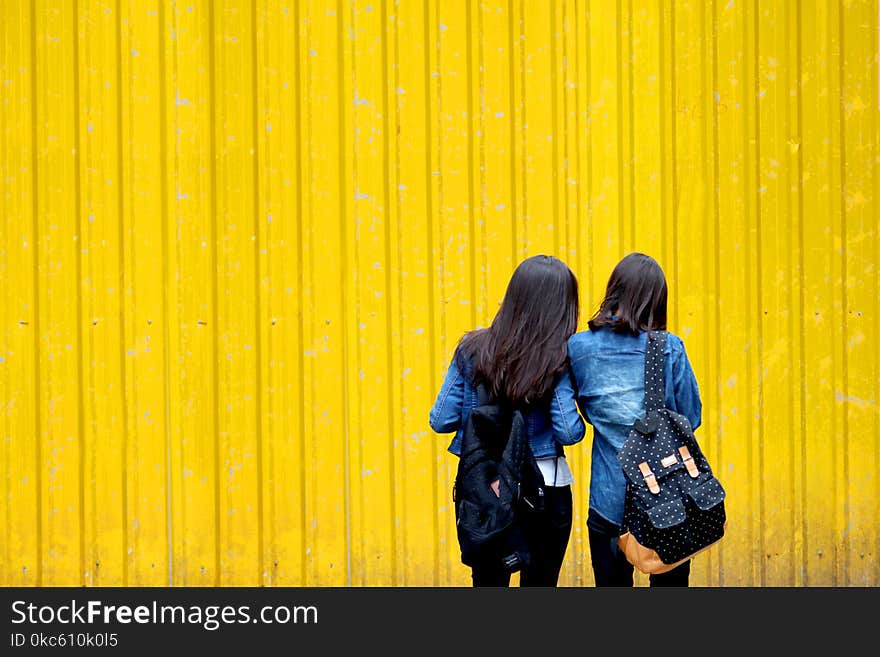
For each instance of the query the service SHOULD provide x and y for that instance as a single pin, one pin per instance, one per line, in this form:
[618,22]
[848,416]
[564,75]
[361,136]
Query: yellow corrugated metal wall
[240,240]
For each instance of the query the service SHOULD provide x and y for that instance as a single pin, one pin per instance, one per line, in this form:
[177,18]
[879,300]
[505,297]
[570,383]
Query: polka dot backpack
[674,505]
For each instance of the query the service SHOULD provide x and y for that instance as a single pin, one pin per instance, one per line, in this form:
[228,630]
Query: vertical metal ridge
[35,208]
[432,297]
[673,135]
[6,468]
[258,318]
[300,277]
[77,213]
[632,127]
[270,564]
[708,173]
[522,135]
[621,204]
[566,156]
[668,190]
[268,531]
[802,354]
[121,264]
[441,188]
[389,323]
[182,507]
[166,367]
[578,229]
[511,110]
[749,102]
[401,537]
[588,24]
[441,179]
[716,219]
[356,311]
[484,262]
[131,442]
[874,186]
[835,413]
[84,235]
[554,118]
[212,147]
[758,291]
[309,474]
[472,256]
[792,298]
[664,145]
[312,473]
[6,568]
[843,288]
[343,270]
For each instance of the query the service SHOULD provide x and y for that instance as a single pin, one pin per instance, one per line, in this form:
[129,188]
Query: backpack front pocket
[708,494]
[666,515]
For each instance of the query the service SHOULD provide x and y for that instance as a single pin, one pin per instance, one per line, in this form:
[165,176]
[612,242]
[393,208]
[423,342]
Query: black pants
[610,567]
[547,535]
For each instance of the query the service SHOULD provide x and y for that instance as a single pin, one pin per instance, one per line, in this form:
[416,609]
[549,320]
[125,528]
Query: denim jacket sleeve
[445,416]
[687,393]
[568,425]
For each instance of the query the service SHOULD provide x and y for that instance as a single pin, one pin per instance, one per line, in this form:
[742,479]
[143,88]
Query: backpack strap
[483,396]
[655,397]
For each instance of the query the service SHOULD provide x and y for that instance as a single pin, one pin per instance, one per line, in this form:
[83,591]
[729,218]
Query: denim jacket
[548,428]
[609,372]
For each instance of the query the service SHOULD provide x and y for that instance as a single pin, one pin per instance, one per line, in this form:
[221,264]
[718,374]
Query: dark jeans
[547,535]
[610,567]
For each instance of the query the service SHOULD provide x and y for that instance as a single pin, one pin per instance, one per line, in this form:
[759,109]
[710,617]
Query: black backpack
[495,446]
[674,506]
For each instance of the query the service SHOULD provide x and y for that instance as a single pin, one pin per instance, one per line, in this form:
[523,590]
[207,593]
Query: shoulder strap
[483,396]
[655,397]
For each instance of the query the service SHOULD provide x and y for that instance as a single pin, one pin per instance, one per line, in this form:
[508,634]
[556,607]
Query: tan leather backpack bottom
[646,559]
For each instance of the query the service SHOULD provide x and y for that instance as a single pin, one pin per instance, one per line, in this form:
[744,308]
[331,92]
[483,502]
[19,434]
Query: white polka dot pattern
[687,514]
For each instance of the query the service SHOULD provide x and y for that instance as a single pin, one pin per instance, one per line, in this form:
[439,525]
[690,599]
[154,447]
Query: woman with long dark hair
[522,358]
[608,363]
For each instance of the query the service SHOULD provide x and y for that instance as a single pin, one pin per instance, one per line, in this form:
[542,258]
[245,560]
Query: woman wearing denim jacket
[522,357]
[608,363]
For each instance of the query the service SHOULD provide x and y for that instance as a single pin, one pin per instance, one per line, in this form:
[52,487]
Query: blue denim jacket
[609,372]
[548,429]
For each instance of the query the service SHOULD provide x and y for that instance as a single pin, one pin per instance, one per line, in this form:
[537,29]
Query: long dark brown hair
[521,354]
[635,299]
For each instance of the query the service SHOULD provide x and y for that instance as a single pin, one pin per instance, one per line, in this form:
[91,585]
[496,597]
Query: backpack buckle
[689,462]
[650,479]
